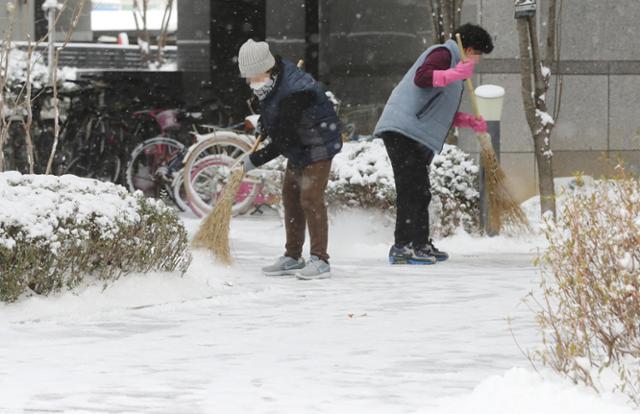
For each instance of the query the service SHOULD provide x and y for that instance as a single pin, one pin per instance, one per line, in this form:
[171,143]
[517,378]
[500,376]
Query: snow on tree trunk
[536,79]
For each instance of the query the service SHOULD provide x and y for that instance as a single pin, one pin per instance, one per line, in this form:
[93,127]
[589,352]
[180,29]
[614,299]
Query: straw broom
[503,208]
[213,233]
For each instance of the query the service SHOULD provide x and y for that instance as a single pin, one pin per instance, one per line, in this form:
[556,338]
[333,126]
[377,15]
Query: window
[117,15]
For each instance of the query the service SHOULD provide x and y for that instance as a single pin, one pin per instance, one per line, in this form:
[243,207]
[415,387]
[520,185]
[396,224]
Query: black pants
[410,161]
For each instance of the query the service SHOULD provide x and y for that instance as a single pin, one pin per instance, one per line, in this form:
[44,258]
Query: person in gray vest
[303,126]
[414,125]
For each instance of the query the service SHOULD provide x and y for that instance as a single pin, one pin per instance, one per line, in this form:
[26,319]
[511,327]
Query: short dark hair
[475,37]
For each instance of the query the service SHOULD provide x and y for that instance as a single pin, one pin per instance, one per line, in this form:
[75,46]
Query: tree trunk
[544,159]
[5,51]
[534,87]
[26,125]
[445,16]
[56,103]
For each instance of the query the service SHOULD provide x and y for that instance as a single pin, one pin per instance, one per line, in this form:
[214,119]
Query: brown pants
[303,199]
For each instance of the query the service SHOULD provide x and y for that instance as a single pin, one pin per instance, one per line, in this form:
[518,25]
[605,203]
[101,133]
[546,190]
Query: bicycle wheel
[109,169]
[79,166]
[179,193]
[207,170]
[148,169]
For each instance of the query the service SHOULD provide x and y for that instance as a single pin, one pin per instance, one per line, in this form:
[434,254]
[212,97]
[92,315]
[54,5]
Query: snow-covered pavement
[374,338]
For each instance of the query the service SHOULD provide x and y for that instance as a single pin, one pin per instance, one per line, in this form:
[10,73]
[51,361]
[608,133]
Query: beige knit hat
[255,58]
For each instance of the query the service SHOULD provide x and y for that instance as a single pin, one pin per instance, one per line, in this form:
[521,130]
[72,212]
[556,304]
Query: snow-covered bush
[56,230]
[18,66]
[454,185]
[362,176]
[590,312]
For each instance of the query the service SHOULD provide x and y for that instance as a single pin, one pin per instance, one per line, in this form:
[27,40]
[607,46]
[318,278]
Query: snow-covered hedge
[362,176]
[56,230]
[590,311]
[454,184]
[18,63]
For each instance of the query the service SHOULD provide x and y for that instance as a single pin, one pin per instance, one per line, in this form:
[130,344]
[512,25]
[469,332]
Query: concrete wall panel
[521,174]
[624,122]
[497,17]
[583,120]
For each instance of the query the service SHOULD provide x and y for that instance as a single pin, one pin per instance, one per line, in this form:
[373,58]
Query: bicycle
[209,163]
[208,166]
[155,165]
[95,145]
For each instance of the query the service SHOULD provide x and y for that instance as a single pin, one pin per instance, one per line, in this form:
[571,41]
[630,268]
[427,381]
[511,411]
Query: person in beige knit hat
[302,125]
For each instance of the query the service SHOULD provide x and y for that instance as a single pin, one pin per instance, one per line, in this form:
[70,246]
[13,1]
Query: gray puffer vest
[423,114]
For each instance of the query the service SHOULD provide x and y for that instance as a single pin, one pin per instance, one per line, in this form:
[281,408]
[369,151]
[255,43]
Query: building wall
[82,32]
[194,44]
[599,120]
[30,21]
[369,44]
[24,23]
[286,28]
[364,48]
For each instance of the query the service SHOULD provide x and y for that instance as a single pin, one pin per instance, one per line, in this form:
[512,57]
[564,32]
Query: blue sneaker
[404,254]
[431,250]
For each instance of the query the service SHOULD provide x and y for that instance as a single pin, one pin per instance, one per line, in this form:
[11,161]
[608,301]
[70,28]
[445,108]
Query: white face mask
[256,86]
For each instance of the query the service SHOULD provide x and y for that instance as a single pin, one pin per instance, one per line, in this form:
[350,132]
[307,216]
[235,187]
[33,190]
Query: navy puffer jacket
[299,118]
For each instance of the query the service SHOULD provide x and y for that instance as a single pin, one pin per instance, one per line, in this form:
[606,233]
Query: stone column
[194,46]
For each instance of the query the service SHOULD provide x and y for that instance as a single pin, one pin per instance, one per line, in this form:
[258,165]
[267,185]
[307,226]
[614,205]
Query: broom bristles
[213,233]
[504,211]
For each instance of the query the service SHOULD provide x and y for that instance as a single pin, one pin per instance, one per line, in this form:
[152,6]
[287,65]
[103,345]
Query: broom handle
[255,146]
[472,93]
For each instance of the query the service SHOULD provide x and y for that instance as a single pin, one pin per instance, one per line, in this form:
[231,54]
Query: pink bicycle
[207,168]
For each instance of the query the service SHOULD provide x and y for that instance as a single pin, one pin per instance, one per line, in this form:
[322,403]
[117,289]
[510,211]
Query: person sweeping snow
[304,127]
[414,125]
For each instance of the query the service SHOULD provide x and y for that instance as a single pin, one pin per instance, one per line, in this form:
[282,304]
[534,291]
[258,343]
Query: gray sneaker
[315,269]
[284,266]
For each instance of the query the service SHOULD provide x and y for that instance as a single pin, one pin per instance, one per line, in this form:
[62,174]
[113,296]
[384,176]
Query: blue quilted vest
[319,127]
[423,114]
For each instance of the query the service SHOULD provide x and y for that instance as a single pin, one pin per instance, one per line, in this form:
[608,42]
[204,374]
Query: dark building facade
[358,48]
[361,48]
[210,33]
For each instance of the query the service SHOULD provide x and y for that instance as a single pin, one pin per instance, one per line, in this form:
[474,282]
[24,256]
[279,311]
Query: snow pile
[362,177]
[523,392]
[55,230]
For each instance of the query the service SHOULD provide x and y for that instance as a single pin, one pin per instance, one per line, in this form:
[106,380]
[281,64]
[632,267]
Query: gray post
[493,128]
[50,7]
